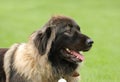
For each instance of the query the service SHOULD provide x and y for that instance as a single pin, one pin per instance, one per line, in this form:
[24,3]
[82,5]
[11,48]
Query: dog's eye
[68,32]
[70,25]
[68,29]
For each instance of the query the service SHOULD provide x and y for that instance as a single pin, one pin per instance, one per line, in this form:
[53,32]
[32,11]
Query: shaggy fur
[44,58]
[2,73]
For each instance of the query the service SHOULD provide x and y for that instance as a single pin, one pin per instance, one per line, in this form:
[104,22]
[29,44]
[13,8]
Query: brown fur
[34,61]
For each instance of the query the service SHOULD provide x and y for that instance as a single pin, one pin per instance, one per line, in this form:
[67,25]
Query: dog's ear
[43,40]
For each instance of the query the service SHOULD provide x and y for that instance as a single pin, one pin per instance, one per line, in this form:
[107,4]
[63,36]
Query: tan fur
[7,60]
[31,64]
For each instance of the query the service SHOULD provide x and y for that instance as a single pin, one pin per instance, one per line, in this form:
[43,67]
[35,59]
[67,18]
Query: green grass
[100,19]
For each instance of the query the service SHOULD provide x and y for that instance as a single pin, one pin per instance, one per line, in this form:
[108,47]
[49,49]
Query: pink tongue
[78,55]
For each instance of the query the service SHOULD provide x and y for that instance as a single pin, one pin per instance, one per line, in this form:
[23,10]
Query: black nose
[89,42]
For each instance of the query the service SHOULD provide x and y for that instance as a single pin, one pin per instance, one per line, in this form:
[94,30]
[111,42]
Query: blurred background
[99,19]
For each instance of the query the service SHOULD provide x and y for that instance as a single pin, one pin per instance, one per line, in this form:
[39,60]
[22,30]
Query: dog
[51,53]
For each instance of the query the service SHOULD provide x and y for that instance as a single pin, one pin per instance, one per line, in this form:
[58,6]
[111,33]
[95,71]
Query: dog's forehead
[63,20]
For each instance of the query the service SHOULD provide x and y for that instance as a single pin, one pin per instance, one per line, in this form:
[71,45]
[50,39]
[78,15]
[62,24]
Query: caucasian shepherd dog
[51,53]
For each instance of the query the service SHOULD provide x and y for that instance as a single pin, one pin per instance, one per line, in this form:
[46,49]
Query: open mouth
[73,55]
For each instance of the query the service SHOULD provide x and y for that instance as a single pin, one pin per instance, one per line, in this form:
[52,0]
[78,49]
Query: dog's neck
[31,64]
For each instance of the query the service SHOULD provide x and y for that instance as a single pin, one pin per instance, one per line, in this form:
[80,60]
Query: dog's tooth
[67,49]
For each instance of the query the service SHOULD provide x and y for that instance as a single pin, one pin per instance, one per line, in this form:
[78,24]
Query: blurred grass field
[100,19]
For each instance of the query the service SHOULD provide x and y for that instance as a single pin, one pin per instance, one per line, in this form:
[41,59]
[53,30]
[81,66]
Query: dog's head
[64,38]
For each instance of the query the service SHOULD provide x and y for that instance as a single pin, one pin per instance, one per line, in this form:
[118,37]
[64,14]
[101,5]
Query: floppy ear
[43,40]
